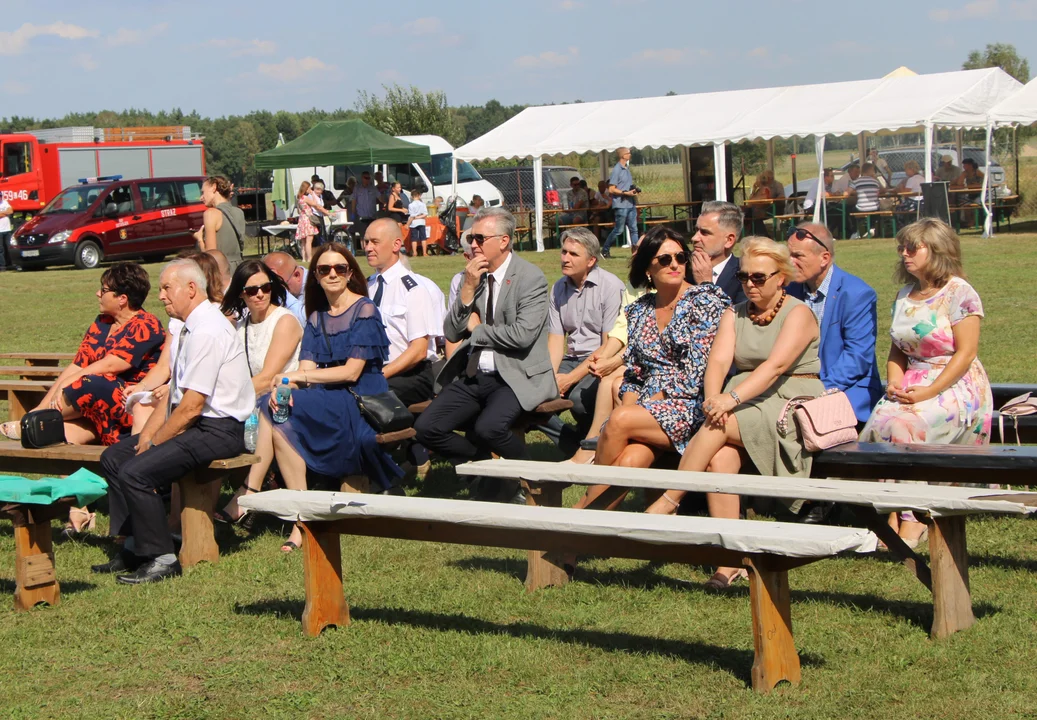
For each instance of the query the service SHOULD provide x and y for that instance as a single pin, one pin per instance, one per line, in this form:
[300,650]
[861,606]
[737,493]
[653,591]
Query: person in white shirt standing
[5,232]
[210,397]
[418,232]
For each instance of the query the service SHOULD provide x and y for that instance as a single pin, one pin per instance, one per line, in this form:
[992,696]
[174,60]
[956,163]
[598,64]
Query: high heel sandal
[222,516]
[11,430]
[723,582]
[289,546]
[88,521]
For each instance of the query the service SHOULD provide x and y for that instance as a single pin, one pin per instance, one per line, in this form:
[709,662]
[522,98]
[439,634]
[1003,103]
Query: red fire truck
[35,166]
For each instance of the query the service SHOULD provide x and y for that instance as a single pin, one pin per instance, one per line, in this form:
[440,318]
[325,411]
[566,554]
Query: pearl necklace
[767,318]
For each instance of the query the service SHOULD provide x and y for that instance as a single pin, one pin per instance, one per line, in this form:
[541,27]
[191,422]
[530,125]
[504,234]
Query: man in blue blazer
[845,307]
[717,229]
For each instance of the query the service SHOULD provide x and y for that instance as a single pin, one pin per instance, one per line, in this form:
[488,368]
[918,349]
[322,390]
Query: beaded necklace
[767,318]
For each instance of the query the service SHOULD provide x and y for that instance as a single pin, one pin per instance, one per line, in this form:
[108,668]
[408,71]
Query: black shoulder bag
[383,411]
[42,428]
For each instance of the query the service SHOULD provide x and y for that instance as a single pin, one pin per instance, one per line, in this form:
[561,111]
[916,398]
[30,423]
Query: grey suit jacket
[518,335]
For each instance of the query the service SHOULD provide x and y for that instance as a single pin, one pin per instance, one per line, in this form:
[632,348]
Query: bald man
[294,276]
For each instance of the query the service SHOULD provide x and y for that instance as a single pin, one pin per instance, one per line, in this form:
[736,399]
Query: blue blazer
[848,334]
[729,283]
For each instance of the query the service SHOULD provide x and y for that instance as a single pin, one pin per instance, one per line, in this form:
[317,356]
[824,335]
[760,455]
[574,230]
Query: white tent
[1020,108]
[920,102]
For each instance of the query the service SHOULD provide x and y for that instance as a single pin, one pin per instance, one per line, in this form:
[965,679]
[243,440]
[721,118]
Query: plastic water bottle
[282,395]
[252,431]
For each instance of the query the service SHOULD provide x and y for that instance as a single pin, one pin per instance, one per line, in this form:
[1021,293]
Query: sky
[223,58]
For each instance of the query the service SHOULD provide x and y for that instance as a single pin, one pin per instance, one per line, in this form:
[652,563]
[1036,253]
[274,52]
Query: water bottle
[252,431]
[281,396]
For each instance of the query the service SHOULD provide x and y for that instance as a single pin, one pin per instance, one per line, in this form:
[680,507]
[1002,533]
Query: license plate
[30,253]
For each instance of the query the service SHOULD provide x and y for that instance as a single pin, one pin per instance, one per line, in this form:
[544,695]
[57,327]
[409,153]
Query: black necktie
[379,291]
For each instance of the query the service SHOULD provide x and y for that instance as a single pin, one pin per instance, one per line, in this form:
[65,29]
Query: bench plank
[28,372]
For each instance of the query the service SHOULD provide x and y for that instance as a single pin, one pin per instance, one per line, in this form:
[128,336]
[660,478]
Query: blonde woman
[309,204]
[772,340]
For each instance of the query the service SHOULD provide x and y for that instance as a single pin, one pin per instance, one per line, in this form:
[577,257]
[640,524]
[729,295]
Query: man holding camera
[624,201]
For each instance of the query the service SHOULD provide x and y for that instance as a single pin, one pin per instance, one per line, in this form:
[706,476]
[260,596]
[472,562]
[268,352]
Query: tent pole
[862,148]
[686,171]
[820,206]
[988,219]
[770,154]
[538,192]
[959,146]
[603,165]
[453,176]
[928,152]
[720,171]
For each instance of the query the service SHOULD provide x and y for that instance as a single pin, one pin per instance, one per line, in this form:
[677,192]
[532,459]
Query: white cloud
[237,47]
[975,9]
[13,87]
[1024,9]
[86,61]
[547,60]
[292,69]
[570,5]
[759,52]
[15,42]
[668,56]
[130,36]
[423,26]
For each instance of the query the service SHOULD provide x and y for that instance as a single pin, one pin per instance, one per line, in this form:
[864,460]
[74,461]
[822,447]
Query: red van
[111,218]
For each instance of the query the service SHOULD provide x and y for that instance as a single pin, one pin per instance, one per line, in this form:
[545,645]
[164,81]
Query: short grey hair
[584,237]
[187,270]
[503,220]
[729,215]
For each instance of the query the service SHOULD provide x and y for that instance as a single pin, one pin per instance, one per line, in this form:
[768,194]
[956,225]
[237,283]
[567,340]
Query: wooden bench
[947,506]
[199,491]
[23,395]
[767,550]
[35,576]
[28,372]
[35,359]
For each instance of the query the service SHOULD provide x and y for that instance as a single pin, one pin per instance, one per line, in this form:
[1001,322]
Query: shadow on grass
[68,587]
[645,577]
[733,661]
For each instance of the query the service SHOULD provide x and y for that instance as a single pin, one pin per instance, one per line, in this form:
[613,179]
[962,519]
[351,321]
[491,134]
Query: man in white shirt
[455,286]
[5,231]
[210,397]
[717,229]
[842,185]
[418,232]
[294,276]
[811,199]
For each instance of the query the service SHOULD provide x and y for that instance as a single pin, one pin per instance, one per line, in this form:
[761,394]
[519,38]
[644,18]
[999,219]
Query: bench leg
[776,657]
[197,504]
[952,599]
[322,574]
[895,544]
[544,569]
[35,578]
[20,402]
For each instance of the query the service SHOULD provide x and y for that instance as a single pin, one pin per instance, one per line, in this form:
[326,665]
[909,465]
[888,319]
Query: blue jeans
[624,217]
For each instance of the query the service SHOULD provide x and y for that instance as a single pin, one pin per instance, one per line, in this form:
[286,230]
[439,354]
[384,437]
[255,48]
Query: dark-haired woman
[223,224]
[271,335]
[343,348]
[670,332]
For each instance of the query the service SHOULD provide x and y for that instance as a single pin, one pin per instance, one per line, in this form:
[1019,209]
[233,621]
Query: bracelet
[734,396]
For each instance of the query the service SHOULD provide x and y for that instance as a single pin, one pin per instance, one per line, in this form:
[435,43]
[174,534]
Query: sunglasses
[341,270]
[754,278]
[253,290]
[665,260]
[106,290]
[803,234]
[480,239]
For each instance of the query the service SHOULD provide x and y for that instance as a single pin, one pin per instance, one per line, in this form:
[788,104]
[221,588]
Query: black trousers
[414,385]
[136,483]
[485,402]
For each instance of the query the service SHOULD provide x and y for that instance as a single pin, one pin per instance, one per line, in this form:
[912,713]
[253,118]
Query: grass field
[444,631]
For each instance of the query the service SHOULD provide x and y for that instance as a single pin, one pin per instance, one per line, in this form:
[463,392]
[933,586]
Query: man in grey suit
[502,366]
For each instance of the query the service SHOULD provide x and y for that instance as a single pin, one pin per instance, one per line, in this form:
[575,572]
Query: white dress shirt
[487,363]
[210,360]
[437,310]
[406,308]
[717,269]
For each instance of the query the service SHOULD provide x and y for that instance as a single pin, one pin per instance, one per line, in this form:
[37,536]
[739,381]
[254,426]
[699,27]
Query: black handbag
[42,428]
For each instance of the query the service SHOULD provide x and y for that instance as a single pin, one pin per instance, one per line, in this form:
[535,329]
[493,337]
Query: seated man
[210,397]
[585,303]
[502,367]
[971,178]
[294,276]
[842,185]
[717,229]
[811,199]
[946,171]
[865,192]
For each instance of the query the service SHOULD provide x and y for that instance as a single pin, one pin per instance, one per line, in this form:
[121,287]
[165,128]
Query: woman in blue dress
[343,348]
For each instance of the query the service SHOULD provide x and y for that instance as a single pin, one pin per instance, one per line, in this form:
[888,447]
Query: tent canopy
[342,142]
[953,99]
[1019,108]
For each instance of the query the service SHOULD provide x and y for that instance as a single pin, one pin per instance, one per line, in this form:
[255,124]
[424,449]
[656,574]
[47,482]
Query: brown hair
[211,269]
[944,251]
[315,299]
[304,188]
[756,246]
[221,184]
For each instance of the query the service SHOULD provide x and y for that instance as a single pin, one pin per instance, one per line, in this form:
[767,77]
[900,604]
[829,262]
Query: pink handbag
[1016,408]
[825,421]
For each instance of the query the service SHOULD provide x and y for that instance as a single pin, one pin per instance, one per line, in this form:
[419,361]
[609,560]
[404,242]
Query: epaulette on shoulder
[409,282]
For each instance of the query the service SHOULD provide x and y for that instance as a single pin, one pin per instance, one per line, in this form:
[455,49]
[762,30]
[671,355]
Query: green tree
[1002,55]
[409,111]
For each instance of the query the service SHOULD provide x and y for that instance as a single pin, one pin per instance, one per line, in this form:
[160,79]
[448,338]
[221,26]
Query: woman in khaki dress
[772,339]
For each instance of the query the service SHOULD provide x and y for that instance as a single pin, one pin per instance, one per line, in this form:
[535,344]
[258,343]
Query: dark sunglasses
[480,239]
[754,278]
[106,290]
[341,269]
[253,290]
[665,260]
[803,234]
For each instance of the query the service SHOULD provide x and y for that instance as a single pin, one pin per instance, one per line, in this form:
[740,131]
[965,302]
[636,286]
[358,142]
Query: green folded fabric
[85,485]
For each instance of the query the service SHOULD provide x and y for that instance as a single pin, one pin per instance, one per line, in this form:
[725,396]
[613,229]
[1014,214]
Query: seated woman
[343,348]
[765,188]
[670,332]
[271,335]
[772,339]
[937,390]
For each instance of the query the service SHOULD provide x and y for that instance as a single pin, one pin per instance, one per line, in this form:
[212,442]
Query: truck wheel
[88,255]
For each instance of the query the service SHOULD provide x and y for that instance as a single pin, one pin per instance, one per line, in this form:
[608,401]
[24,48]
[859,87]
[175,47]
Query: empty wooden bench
[31,372]
[199,491]
[23,395]
[948,578]
[768,550]
[38,359]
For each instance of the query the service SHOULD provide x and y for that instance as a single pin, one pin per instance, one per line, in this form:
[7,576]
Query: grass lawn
[448,631]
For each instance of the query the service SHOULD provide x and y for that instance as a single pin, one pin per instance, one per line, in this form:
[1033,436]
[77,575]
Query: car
[516,185]
[111,218]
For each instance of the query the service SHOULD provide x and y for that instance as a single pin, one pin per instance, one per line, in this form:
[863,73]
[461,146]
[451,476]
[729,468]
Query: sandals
[289,546]
[87,521]
[723,582]
[11,430]
[222,516]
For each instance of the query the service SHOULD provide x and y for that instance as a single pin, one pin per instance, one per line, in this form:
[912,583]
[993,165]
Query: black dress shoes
[150,572]
[122,562]
[817,513]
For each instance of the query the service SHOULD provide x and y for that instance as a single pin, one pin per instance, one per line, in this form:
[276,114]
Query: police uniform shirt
[437,309]
[405,308]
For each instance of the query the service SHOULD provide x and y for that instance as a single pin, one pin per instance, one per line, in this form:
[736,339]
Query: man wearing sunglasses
[717,229]
[845,308]
[294,276]
[502,367]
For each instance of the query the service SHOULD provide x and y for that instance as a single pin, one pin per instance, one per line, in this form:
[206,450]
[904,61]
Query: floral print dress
[673,361]
[923,330]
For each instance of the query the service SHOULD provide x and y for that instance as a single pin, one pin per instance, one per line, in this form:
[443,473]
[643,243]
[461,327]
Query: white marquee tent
[1019,108]
[916,103]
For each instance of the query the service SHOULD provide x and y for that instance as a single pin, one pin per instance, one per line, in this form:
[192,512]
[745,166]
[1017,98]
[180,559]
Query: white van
[434,176]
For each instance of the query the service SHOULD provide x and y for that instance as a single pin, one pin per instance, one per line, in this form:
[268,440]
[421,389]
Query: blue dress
[325,426]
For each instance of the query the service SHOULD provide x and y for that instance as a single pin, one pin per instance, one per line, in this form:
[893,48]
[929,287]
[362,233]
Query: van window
[406,175]
[122,197]
[190,192]
[439,171]
[17,158]
[157,195]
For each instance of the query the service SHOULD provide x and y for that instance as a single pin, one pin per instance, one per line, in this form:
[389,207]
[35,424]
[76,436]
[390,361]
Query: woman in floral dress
[937,390]
[309,204]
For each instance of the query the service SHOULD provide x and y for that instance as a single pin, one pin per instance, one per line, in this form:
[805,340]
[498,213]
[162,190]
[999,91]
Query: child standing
[418,212]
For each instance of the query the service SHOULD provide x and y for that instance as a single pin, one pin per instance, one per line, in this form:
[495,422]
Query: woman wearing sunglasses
[271,334]
[772,339]
[669,333]
[343,348]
